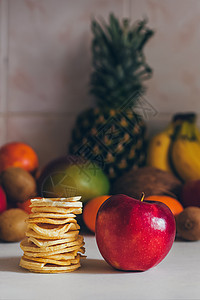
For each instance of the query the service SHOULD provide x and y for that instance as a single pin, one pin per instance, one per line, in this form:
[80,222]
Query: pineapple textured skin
[112,134]
[114,141]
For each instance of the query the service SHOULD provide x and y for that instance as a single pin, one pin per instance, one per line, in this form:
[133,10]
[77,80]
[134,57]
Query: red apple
[3,202]
[190,195]
[134,235]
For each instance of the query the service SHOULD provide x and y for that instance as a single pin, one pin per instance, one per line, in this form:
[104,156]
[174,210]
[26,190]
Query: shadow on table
[88,266]
[95,266]
[11,264]
[181,240]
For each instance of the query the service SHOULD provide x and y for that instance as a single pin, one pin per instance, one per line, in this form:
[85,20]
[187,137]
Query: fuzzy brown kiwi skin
[18,184]
[188,223]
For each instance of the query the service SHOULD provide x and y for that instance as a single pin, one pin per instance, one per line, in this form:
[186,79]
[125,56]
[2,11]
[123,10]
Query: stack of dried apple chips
[53,243]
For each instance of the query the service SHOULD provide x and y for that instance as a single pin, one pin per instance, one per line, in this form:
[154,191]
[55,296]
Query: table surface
[176,277]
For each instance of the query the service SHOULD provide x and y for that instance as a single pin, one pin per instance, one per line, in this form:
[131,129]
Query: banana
[197,133]
[158,150]
[185,153]
[185,160]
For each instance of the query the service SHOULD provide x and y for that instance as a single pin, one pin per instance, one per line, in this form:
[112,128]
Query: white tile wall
[49,134]
[45,62]
[45,66]
[50,57]
[3,55]
[3,130]
[173,53]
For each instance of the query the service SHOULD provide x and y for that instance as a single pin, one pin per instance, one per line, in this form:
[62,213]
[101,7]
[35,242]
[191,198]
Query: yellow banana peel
[158,150]
[185,152]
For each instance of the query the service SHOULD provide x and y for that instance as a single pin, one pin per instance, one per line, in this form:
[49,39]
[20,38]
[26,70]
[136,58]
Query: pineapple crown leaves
[119,64]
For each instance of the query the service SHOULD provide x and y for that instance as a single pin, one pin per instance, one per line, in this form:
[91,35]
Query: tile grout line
[65,114]
[38,114]
[4,62]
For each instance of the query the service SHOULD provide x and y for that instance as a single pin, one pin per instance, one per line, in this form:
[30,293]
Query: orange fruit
[25,206]
[18,154]
[174,205]
[90,211]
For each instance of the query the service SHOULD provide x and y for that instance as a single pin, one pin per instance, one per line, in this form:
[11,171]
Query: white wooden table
[176,277]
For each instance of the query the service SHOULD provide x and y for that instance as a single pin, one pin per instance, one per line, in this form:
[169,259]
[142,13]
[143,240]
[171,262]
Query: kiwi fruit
[149,180]
[188,223]
[13,225]
[18,184]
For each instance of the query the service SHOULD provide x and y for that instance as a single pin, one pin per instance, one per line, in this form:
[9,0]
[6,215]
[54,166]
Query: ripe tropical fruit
[72,176]
[174,205]
[185,151]
[90,211]
[113,133]
[158,149]
[18,154]
[149,180]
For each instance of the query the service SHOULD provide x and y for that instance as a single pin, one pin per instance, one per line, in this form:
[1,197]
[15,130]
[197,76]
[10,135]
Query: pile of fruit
[177,148]
[171,176]
[113,132]
[21,179]
[18,166]
[70,176]
[106,163]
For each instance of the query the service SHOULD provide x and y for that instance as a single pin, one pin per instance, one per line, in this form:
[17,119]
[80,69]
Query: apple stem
[142,197]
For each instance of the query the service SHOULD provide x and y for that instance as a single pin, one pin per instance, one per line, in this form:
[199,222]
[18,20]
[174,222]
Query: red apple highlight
[134,235]
[3,202]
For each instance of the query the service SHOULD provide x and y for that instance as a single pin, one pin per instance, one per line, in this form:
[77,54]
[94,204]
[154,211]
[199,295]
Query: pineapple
[112,134]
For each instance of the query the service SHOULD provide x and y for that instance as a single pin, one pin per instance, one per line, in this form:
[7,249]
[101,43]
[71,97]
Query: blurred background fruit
[13,225]
[188,223]
[18,184]
[113,132]
[25,206]
[17,154]
[185,150]
[177,147]
[190,195]
[3,201]
[174,205]
[73,176]
[158,149]
[58,164]
[90,211]
[149,180]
